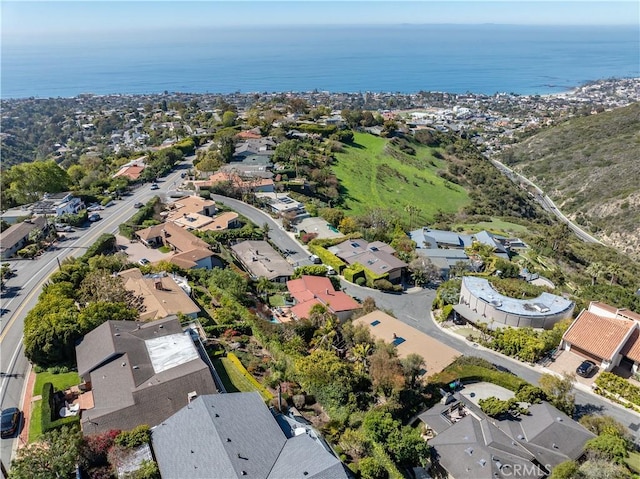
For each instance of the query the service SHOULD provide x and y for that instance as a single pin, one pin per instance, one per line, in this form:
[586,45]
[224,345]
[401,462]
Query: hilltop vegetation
[589,166]
[373,173]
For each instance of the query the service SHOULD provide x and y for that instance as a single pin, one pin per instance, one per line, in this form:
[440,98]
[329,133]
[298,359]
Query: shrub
[371,468]
[383,284]
[530,394]
[615,384]
[138,436]
[361,281]
[306,237]
[105,244]
[327,257]
[48,417]
[446,312]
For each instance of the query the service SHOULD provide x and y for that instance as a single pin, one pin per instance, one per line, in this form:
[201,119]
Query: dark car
[586,369]
[10,421]
[138,205]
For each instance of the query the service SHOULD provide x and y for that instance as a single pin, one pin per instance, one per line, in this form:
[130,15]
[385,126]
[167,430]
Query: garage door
[586,355]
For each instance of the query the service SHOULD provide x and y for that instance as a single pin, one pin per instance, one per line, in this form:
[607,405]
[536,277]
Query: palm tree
[324,336]
[614,270]
[595,270]
[265,231]
[412,210]
[360,352]
[263,286]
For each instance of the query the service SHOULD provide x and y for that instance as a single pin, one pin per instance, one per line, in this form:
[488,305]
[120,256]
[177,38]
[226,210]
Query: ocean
[402,58]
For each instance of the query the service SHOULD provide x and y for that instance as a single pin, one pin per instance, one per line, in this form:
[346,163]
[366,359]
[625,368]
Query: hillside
[375,174]
[590,166]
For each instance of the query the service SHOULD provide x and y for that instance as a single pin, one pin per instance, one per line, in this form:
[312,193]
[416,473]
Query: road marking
[12,363]
[411,318]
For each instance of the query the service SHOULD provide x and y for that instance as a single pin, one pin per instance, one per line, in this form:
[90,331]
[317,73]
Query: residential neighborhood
[246,303]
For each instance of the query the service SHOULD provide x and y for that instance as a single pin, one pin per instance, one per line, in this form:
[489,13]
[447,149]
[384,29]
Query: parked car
[94,217]
[138,205]
[10,421]
[154,186]
[586,369]
[143,261]
[63,228]
[315,259]
[95,207]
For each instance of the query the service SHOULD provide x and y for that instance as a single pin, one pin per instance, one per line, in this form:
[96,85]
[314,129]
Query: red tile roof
[314,289]
[598,335]
[632,348]
[131,172]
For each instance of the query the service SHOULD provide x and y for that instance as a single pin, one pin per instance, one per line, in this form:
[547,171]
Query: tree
[371,468]
[565,470]
[348,225]
[379,425]
[609,446]
[211,161]
[407,446]
[97,313]
[598,468]
[423,271]
[530,394]
[229,118]
[595,270]
[558,391]
[494,407]
[360,353]
[603,425]
[614,270]
[263,286]
[354,442]
[386,371]
[101,285]
[54,456]
[325,376]
[29,181]
[459,269]
[413,210]
[412,366]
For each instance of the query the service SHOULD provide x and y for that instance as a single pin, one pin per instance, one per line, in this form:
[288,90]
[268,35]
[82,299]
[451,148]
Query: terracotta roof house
[377,256]
[132,172]
[481,303]
[235,436]
[469,444]
[261,260]
[254,184]
[253,134]
[311,290]
[139,373]
[184,244]
[606,335]
[160,293]
[16,236]
[188,205]
[409,340]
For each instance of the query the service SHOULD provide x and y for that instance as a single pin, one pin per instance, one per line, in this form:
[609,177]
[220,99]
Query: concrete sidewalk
[27,399]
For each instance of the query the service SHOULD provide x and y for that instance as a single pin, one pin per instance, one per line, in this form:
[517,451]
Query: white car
[143,261]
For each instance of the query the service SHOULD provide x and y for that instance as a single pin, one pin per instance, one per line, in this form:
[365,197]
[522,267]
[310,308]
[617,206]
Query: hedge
[469,373]
[353,272]
[47,405]
[327,257]
[264,392]
[615,385]
[105,244]
[219,329]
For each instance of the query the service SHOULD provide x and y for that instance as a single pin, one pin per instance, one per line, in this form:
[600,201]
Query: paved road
[23,289]
[546,202]
[294,251]
[414,309]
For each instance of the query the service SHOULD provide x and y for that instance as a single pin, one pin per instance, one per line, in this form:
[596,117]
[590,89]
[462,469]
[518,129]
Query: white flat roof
[170,351]
[544,305]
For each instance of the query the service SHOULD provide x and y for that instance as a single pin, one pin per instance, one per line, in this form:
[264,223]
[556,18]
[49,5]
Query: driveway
[568,361]
[136,250]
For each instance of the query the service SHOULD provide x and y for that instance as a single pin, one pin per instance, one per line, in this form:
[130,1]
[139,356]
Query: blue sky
[41,18]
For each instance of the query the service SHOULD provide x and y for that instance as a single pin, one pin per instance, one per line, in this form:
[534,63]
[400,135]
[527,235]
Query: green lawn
[466,332]
[232,379]
[633,461]
[164,249]
[276,300]
[496,226]
[370,177]
[60,381]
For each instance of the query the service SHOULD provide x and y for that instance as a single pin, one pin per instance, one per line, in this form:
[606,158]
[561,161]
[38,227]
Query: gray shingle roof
[236,436]
[127,389]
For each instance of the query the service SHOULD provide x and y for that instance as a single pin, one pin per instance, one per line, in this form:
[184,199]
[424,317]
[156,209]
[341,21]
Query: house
[130,171]
[607,335]
[235,436]
[253,184]
[432,239]
[189,205]
[311,290]
[261,260]
[408,340]
[378,257]
[444,259]
[469,444]
[161,295]
[281,205]
[139,373]
[185,245]
[57,204]
[16,236]
[481,303]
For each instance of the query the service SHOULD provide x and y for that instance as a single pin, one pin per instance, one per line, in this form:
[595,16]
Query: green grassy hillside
[590,166]
[375,174]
